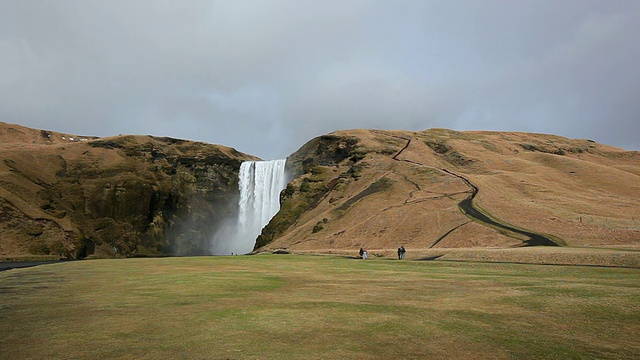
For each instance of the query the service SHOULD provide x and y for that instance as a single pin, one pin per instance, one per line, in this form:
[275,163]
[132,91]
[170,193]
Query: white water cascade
[260,185]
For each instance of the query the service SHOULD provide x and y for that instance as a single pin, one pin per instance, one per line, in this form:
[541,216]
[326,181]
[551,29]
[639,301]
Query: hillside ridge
[441,188]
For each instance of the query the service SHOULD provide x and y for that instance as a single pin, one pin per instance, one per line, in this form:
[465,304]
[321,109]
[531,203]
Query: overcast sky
[266,76]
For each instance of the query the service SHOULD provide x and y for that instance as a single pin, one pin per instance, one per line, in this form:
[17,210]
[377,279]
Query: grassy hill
[443,189]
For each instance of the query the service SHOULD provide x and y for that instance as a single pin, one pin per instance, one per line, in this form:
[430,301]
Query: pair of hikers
[401,253]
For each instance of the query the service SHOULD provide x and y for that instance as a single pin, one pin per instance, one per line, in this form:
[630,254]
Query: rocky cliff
[67,196]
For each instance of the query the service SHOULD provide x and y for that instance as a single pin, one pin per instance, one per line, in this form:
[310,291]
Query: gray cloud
[266,76]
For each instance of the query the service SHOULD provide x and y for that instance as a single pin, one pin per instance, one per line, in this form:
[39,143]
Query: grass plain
[317,307]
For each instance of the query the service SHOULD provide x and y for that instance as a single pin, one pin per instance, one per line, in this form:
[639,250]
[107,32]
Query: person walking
[402,252]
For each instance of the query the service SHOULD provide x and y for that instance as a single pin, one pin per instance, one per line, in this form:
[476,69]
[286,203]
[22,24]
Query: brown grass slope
[382,189]
[68,196]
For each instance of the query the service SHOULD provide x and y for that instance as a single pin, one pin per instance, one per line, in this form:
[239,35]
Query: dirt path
[476,214]
[14,265]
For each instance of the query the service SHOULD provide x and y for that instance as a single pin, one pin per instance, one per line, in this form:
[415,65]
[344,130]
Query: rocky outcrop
[72,197]
[309,166]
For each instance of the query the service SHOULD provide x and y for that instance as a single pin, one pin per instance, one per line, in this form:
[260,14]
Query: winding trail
[476,214]
[469,209]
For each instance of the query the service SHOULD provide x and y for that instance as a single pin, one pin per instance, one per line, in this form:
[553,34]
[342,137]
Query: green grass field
[317,307]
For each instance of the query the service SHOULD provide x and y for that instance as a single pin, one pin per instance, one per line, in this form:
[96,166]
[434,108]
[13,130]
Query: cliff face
[446,189]
[71,197]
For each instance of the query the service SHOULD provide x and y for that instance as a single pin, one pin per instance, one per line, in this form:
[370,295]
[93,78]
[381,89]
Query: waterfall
[260,185]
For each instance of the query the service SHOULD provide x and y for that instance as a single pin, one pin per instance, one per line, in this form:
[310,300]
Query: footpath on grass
[8,265]
[539,255]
